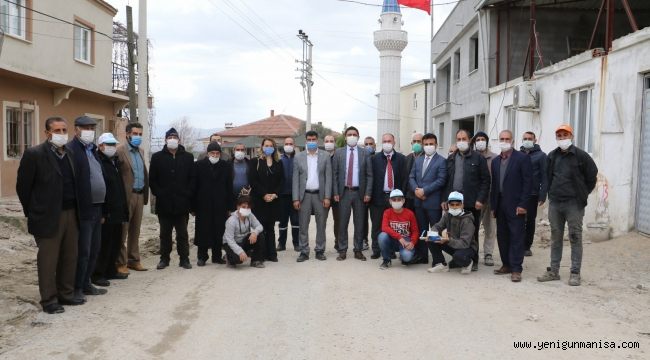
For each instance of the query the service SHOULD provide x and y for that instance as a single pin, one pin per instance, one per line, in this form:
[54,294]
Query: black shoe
[528,253]
[91,290]
[384,265]
[475,266]
[417,260]
[118,276]
[359,256]
[218,260]
[72,302]
[321,256]
[275,259]
[185,264]
[302,257]
[101,282]
[342,256]
[296,248]
[281,248]
[162,264]
[375,255]
[54,308]
[200,262]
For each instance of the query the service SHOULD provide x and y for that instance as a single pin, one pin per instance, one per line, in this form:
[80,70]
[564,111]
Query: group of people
[84,200]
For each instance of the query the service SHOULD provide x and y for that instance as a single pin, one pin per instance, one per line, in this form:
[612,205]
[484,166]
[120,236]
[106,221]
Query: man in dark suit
[509,196]
[388,174]
[427,179]
[46,189]
[352,190]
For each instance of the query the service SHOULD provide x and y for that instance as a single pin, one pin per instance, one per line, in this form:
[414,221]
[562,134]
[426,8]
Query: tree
[186,132]
[321,130]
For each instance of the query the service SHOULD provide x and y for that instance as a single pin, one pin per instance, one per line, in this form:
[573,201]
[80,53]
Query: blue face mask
[136,140]
[370,149]
[312,145]
[268,151]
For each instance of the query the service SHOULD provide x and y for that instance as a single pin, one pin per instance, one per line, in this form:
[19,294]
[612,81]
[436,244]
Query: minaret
[390,40]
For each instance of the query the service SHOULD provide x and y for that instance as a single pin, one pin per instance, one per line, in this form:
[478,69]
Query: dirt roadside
[330,309]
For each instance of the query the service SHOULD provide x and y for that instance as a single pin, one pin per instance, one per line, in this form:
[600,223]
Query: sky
[233,61]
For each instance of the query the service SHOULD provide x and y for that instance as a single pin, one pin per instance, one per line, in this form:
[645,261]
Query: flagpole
[430,101]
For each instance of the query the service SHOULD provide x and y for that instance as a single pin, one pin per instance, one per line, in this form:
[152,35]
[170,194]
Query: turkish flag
[418,4]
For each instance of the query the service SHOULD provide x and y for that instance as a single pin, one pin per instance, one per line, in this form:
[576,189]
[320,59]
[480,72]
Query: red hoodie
[400,225]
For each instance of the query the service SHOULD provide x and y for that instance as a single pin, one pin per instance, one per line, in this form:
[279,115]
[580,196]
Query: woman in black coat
[211,203]
[266,177]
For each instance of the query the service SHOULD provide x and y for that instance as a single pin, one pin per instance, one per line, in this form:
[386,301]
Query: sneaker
[468,269]
[488,261]
[549,275]
[438,268]
[474,266]
[574,279]
[258,264]
[528,253]
[384,265]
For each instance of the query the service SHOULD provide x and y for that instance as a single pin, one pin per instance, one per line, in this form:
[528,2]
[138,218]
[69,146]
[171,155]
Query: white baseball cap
[396,193]
[455,196]
[107,138]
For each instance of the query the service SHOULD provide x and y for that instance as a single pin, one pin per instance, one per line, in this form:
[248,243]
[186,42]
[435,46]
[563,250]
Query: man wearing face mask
[115,211]
[91,193]
[509,196]
[330,147]
[353,190]
[388,173]
[171,179]
[287,211]
[214,138]
[46,188]
[539,188]
[468,174]
[427,179]
[399,231]
[211,204]
[136,183]
[311,193]
[240,166]
[416,151]
[572,176]
[481,143]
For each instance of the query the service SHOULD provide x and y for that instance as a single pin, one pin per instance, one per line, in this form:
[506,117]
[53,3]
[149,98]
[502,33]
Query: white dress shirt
[312,171]
[355,167]
[386,188]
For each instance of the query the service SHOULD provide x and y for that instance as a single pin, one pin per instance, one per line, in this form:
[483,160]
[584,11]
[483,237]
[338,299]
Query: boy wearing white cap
[457,240]
[399,231]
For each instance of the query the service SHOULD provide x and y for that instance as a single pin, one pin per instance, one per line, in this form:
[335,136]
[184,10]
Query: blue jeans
[90,238]
[389,246]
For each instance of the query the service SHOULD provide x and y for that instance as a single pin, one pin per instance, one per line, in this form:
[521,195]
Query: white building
[413,107]
[591,73]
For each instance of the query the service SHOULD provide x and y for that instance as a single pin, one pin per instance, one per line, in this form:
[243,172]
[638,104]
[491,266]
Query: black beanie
[213,146]
[171,132]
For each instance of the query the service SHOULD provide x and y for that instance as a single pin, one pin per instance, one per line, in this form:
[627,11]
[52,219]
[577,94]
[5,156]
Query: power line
[403,7]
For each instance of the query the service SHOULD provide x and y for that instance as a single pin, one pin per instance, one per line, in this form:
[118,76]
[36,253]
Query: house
[548,62]
[414,98]
[55,59]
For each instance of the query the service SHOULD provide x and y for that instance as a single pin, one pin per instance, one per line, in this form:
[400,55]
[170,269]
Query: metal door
[643,194]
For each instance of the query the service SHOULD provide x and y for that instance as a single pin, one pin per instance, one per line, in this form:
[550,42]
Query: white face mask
[288,149]
[87,136]
[429,150]
[240,155]
[59,140]
[462,146]
[172,144]
[564,144]
[213,159]
[505,146]
[528,144]
[455,212]
[481,145]
[387,147]
[244,212]
[352,141]
[109,150]
[329,146]
[397,204]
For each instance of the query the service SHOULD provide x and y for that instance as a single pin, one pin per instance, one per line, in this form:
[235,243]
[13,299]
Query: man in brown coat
[136,183]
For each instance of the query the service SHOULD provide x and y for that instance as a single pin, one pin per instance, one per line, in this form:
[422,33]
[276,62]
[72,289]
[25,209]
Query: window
[473,53]
[415,101]
[579,108]
[19,130]
[511,119]
[456,68]
[83,41]
[12,17]
[441,134]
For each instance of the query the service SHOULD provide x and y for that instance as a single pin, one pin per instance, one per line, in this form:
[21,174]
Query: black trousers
[254,251]
[167,224]
[531,218]
[477,224]
[460,257]
[510,238]
[287,212]
[109,251]
[377,216]
[217,244]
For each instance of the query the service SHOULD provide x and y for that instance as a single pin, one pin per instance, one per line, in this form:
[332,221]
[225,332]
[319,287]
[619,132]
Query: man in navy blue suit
[511,189]
[428,178]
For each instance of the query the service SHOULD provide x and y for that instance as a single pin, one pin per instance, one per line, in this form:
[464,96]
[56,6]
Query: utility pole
[133,102]
[428,122]
[306,77]
[143,76]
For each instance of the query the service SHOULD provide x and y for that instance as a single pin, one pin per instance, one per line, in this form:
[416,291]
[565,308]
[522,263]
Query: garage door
[643,203]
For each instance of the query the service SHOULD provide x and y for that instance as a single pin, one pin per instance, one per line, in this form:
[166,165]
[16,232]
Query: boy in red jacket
[399,231]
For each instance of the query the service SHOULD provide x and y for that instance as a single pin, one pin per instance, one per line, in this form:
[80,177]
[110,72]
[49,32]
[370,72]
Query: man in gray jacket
[243,237]
[311,193]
